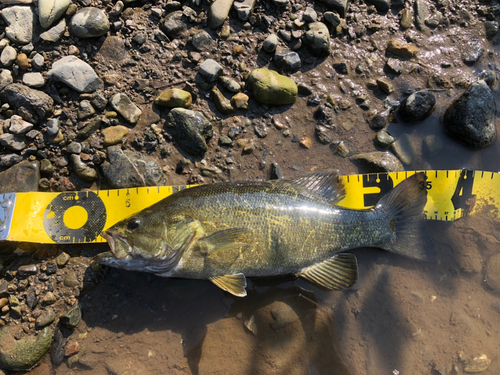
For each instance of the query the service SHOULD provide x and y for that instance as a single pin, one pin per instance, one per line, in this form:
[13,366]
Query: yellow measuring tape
[80,217]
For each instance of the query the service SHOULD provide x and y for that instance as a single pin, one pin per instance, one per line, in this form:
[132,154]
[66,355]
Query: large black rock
[418,106]
[471,118]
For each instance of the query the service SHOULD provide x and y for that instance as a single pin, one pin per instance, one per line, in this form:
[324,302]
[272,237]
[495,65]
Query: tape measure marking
[39,217]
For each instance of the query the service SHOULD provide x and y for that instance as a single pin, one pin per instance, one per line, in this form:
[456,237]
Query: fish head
[148,241]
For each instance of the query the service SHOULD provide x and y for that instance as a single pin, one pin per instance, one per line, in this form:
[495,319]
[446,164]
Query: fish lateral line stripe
[452,194]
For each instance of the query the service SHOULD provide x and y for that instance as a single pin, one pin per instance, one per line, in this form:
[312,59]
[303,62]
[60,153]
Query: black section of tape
[53,217]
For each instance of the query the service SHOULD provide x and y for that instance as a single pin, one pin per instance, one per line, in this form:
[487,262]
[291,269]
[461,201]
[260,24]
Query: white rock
[49,11]
[8,56]
[19,126]
[37,61]
[5,78]
[20,23]
[54,34]
[75,73]
[33,80]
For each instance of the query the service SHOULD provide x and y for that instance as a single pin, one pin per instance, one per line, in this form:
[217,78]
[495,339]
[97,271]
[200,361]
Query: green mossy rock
[23,354]
[270,87]
[174,98]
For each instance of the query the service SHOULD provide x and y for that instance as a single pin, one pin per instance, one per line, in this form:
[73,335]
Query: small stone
[240,101]
[406,18]
[3,302]
[404,149]
[394,66]
[401,49]
[35,79]
[90,129]
[218,12]
[53,126]
[270,87]
[74,148]
[85,110]
[174,98]
[472,52]
[19,126]
[306,142]
[210,70]
[62,259]
[82,170]
[203,41]
[491,28]
[477,364]
[384,139]
[76,74]
[72,348]
[27,270]
[20,23]
[287,60]
[270,43]
[379,162]
[222,104]
[49,299]
[89,22]
[385,86]
[71,280]
[9,160]
[317,39]
[418,106]
[72,318]
[225,141]
[8,56]
[46,318]
[122,104]
[114,134]
[248,145]
[22,61]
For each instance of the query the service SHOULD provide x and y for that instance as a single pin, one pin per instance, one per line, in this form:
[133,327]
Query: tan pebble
[114,134]
[237,50]
[3,302]
[240,101]
[477,364]
[248,145]
[401,49]
[278,124]
[306,142]
[73,50]
[22,61]
[72,349]
[5,309]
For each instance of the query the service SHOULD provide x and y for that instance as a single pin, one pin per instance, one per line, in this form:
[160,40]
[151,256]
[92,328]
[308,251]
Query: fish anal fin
[234,284]
[338,272]
[325,183]
[227,239]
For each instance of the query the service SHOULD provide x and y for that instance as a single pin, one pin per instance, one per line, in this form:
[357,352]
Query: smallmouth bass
[226,232]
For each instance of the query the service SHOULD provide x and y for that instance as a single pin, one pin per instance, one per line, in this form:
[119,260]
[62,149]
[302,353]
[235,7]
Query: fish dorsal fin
[325,183]
[227,239]
[338,272]
[234,284]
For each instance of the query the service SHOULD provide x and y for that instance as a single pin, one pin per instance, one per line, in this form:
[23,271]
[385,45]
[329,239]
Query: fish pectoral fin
[325,183]
[338,272]
[234,284]
[227,239]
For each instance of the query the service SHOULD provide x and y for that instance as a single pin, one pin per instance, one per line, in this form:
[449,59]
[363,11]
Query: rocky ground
[98,95]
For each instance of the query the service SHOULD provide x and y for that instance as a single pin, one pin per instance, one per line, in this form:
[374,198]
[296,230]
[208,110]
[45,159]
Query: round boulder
[270,87]
[418,106]
[471,118]
[88,23]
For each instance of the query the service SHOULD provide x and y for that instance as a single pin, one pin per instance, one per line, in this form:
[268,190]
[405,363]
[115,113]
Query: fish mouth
[118,244]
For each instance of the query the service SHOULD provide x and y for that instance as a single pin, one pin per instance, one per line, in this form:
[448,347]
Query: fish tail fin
[404,206]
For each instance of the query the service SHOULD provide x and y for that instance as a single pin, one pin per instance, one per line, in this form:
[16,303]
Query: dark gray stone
[57,350]
[287,60]
[4,285]
[22,177]
[317,39]
[210,70]
[202,41]
[27,270]
[174,24]
[190,129]
[126,169]
[32,105]
[9,160]
[46,318]
[473,52]
[471,118]
[418,106]
[379,121]
[90,129]
[72,318]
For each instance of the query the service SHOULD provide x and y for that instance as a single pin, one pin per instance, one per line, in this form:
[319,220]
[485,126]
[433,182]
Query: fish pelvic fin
[338,272]
[228,239]
[404,206]
[234,284]
[325,183]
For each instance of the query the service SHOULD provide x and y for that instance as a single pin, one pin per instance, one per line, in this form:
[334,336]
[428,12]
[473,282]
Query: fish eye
[133,224]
